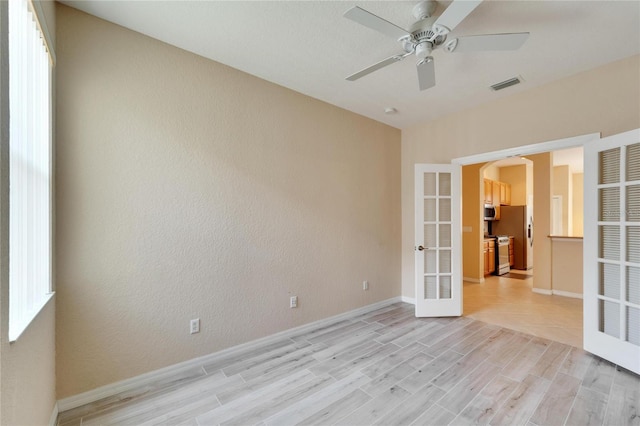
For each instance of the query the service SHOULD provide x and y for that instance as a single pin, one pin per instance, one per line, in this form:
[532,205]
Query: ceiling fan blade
[486,42]
[375,67]
[426,73]
[454,14]
[374,22]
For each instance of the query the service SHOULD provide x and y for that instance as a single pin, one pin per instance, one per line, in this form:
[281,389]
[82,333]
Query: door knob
[420,248]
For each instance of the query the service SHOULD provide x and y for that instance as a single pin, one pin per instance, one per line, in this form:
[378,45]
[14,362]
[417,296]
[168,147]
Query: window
[30,167]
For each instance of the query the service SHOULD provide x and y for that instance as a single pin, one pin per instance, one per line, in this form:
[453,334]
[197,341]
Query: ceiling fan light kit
[429,33]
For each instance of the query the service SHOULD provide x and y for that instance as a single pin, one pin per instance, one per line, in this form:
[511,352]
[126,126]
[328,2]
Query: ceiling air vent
[507,83]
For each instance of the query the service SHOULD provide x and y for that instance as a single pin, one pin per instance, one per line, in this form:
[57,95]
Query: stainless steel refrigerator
[517,221]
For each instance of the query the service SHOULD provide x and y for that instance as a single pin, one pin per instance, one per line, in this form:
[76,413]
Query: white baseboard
[147,378]
[557,293]
[567,294]
[53,420]
[406,299]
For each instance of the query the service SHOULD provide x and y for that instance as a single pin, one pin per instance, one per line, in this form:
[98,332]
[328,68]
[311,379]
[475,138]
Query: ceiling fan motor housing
[423,38]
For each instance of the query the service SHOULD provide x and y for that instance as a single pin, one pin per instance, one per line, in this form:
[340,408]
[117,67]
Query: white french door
[612,249]
[438,240]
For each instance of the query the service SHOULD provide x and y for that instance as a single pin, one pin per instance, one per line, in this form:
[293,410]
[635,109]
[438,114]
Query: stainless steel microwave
[489,212]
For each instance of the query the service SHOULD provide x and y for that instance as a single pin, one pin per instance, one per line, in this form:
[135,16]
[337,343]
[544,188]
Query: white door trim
[537,148]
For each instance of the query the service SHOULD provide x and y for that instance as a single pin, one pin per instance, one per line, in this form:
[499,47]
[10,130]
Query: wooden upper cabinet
[488,192]
[496,193]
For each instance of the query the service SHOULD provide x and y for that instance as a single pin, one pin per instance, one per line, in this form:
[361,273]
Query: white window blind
[619,243]
[30,169]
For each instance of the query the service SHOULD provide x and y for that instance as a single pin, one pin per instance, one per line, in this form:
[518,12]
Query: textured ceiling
[308,46]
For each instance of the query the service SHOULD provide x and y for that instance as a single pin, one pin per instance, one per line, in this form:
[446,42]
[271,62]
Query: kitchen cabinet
[488,192]
[489,256]
[495,185]
[511,256]
[505,194]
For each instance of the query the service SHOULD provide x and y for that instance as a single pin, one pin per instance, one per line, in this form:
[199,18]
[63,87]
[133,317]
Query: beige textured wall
[542,186]
[566,271]
[516,176]
[605,99]
[562,187]
[27,366]
[188,189]
[472,222]
[578,204]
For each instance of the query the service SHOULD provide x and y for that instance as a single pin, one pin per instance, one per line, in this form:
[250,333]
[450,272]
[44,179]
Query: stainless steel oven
[502,255]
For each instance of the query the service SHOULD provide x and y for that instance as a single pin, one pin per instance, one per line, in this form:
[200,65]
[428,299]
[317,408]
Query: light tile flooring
[387,367]
[510,303]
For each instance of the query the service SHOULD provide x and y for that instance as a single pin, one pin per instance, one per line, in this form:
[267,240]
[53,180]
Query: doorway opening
[517,299]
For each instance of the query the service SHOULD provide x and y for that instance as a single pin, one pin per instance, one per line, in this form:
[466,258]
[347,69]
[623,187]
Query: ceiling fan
[429,33]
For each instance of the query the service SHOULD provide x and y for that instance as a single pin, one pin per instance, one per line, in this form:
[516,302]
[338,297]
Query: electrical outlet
[365,285]
[293,302]
[194,326]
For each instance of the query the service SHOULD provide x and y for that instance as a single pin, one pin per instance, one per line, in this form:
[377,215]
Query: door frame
[537,148]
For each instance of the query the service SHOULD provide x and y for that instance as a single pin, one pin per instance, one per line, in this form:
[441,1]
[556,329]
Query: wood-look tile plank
[465,365]
[393,307]
[344,357]
[244,364]
[389,335]
[506,347]
[276,402]
[599,376]
[232,358]
[398,320]
[469,387]
[588,408]
[363,361]
[557,401]
[276,363]
[417,334]
[367,331]
[447,327]
[373,410]
[244,388]
[344,345]
[338,332]
[623,407]
[435,415]
[309,334]
[250,400]
[626,378]
[445,341]
[412,407]
[391,360]
[551,360]
[576,363]
[113,402]
[427,372]
[297,412]
[467,344]
[484,406]
[388,314]
[522,402]
[526,359]
[389,378]
[148,408]
[338,409]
